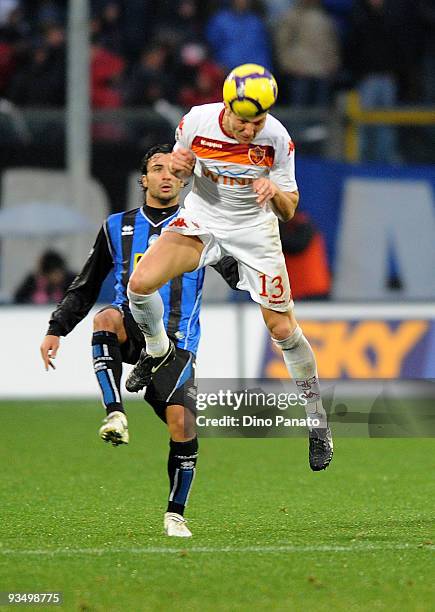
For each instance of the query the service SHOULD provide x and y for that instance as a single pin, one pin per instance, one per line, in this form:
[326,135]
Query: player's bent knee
[281,328]
[279,332]
[107,320]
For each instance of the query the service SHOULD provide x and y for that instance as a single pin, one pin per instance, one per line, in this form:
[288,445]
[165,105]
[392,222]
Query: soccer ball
[250,90]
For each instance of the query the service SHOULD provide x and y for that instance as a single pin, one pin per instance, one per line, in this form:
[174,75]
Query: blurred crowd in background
[47,284]
[180,50]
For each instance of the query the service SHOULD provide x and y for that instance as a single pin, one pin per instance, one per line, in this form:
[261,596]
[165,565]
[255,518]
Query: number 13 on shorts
[275,290]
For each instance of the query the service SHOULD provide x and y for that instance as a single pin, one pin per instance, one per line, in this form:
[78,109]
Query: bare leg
[181,423]
[170,256]
[279,324]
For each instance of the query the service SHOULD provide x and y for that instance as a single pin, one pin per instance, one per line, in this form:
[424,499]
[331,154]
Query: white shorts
[257,249]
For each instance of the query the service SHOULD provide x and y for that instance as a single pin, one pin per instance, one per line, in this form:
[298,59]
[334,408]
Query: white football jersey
[222,194]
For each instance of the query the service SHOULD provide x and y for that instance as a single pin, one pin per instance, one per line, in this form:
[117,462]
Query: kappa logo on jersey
[256,155]
[291,147]
[127,230]
[180,222]
[211,143]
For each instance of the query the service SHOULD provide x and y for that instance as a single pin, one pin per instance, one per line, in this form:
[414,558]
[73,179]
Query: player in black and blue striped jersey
[121,242]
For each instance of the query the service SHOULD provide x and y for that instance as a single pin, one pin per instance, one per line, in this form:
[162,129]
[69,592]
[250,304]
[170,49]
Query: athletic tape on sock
[301,364]
[107,362]
[181,470]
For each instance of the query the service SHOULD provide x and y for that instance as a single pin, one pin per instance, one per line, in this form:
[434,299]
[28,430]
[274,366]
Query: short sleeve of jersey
[283,169]
[185,131]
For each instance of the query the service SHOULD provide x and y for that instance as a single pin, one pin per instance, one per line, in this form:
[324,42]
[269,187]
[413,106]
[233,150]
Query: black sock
[181,470]
[107,358]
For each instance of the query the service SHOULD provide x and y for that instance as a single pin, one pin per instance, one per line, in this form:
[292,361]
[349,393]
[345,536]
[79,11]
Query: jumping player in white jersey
[242,161]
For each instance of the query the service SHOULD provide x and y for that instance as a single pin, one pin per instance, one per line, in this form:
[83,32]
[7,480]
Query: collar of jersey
[221,125]
[160,222]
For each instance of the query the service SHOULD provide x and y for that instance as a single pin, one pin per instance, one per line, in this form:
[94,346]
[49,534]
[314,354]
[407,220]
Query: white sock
[147,311]
[301,364]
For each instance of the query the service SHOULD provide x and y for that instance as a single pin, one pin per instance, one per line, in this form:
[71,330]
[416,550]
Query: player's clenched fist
[265,190]
[182,163]
[49,348]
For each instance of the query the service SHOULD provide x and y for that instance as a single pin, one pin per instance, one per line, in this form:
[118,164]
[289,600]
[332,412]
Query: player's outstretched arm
[79,298]
[49,348]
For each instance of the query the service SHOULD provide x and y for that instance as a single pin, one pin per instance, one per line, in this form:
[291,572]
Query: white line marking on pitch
[224,549]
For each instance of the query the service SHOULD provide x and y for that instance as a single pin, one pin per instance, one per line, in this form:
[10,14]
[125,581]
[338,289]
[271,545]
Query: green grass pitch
[84,518]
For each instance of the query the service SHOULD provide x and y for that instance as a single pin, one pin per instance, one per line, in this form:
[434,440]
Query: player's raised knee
[141,285]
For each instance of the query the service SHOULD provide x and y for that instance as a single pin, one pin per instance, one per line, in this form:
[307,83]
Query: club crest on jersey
[256,155]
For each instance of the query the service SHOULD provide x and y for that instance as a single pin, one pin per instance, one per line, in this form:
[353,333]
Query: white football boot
[115,429]
[175,525]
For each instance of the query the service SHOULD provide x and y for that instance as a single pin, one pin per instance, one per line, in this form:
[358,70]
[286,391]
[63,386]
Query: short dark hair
[153,150]
[50,261]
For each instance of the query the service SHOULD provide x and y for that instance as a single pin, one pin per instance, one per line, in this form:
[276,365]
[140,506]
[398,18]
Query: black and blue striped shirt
[121,242]
[129,236]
